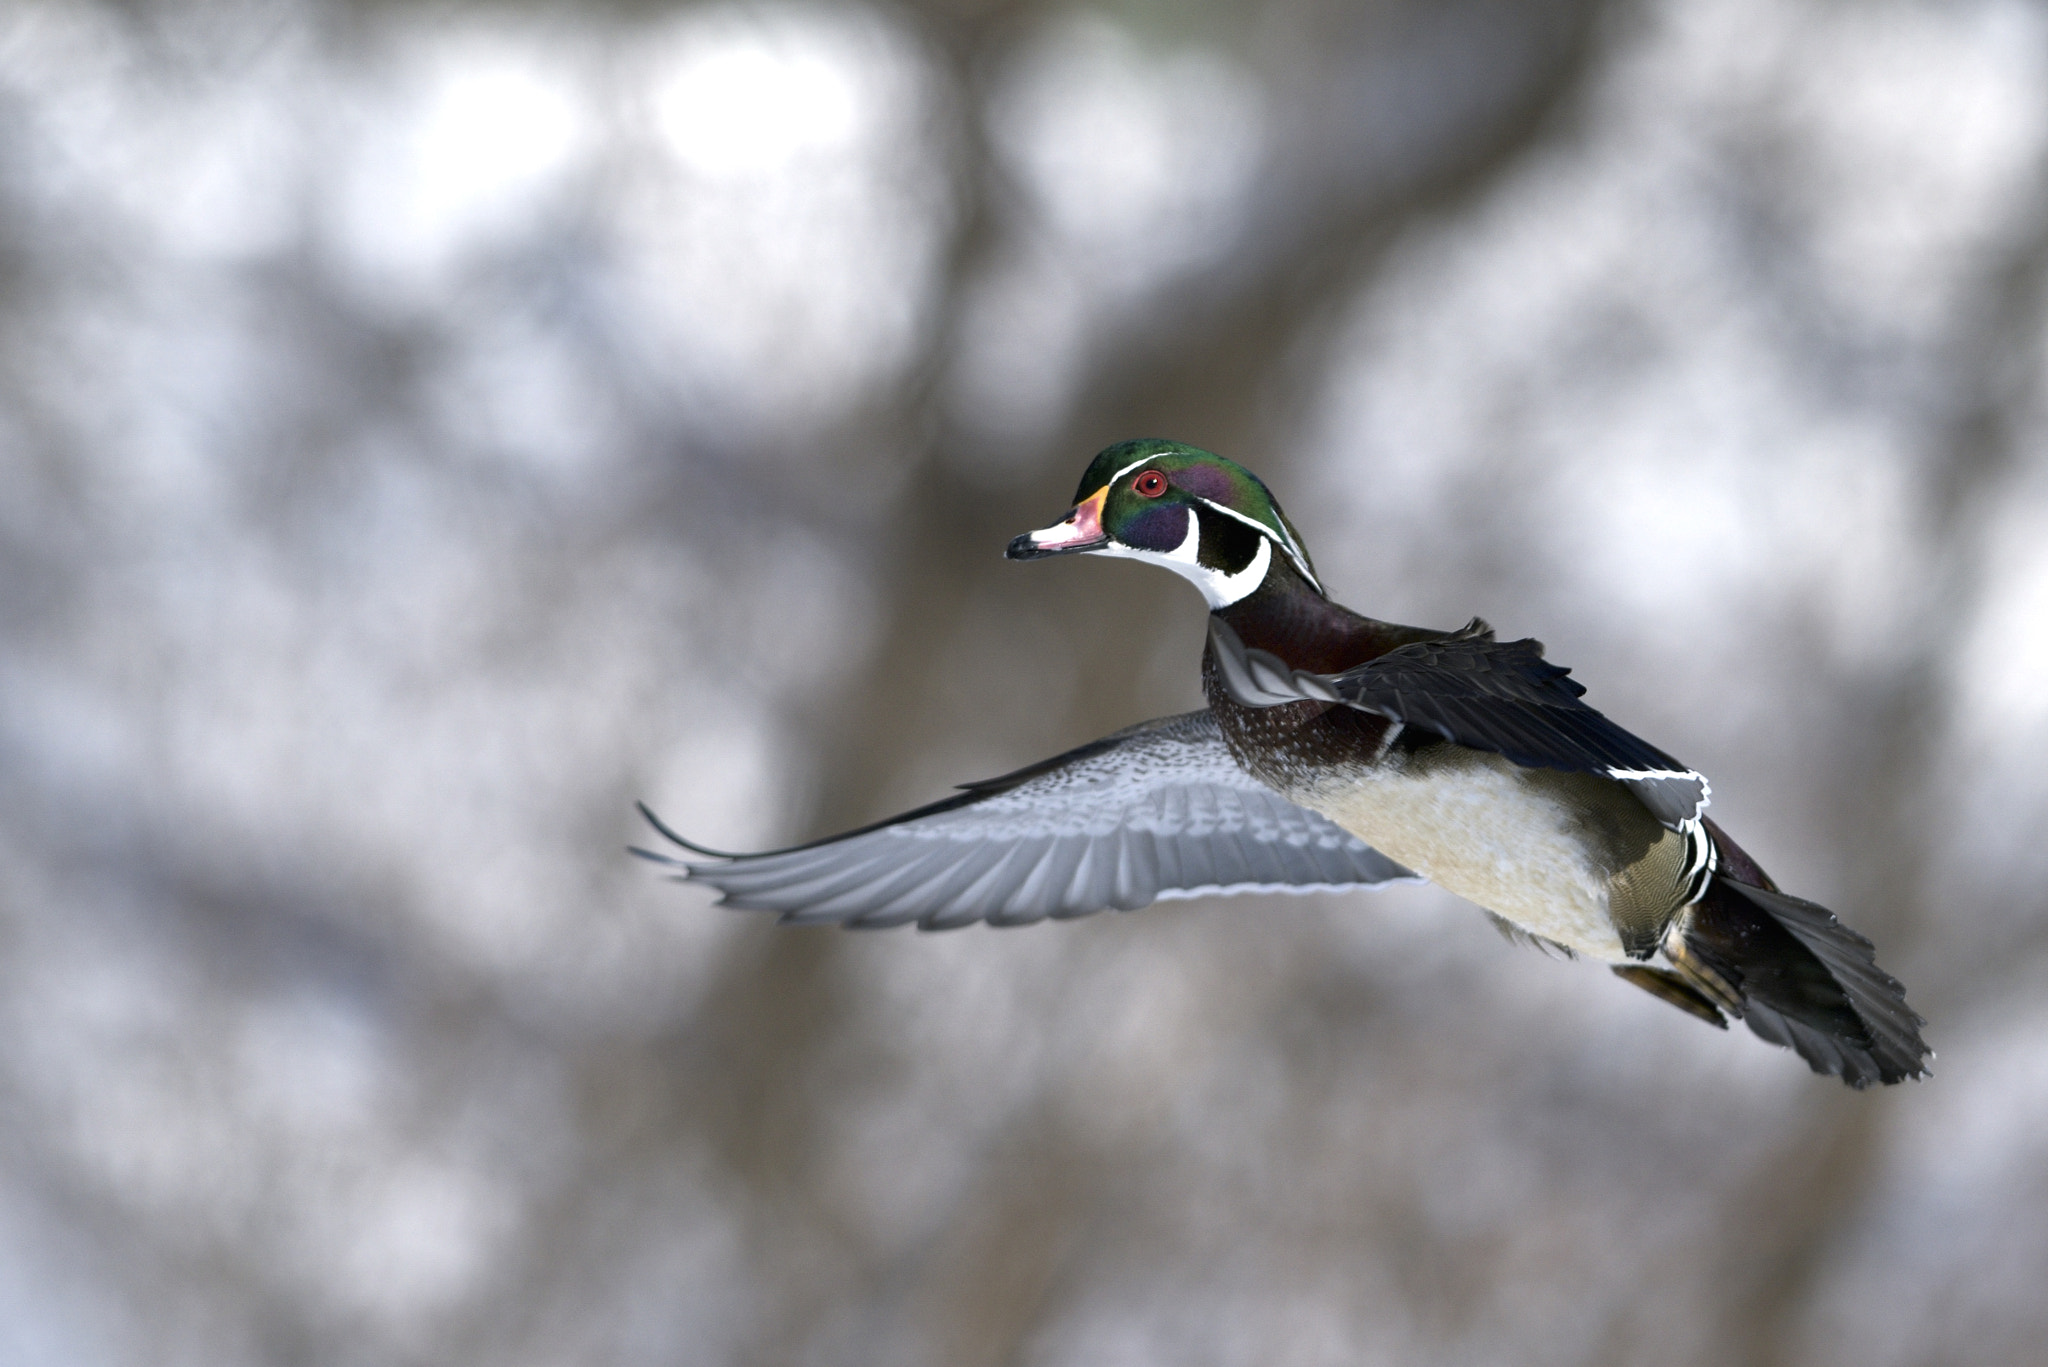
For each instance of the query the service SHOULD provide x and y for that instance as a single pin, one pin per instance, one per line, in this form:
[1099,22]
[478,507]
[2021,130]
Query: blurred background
[425,430]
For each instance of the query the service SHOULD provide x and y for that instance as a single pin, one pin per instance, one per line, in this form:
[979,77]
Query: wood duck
[1341,752]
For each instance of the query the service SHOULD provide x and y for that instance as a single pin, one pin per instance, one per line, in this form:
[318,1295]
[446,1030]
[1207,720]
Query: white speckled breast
[1512,840]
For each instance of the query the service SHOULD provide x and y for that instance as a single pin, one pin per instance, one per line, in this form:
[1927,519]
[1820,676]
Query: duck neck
[1288,616]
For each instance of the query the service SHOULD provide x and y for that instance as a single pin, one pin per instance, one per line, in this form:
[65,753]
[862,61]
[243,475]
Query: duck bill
[1080,530]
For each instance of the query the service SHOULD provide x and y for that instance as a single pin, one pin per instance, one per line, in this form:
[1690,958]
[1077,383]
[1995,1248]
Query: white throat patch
[1220,589]
[1294,552]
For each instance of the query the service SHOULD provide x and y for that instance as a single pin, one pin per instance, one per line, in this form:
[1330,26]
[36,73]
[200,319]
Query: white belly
[1495,834]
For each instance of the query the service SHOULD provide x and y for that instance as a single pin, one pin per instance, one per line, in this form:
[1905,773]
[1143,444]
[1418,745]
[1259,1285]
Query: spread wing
[1158,810]
[1501,696]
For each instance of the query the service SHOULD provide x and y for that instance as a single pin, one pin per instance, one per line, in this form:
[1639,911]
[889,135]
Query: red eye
[1151,484]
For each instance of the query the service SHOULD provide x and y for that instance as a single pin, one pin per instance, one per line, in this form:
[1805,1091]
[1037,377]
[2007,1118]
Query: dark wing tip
[669,834]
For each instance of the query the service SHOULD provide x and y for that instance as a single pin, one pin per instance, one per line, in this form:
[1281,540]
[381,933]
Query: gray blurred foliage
[426,429]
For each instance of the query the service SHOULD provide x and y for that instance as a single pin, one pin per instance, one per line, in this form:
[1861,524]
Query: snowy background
[425,430]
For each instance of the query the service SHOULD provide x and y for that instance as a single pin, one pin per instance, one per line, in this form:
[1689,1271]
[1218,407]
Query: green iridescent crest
[1202,476]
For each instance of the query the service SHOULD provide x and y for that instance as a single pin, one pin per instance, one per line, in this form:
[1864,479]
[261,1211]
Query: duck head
[1207,519]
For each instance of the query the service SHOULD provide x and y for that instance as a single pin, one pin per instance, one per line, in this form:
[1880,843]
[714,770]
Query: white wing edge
[1269,889]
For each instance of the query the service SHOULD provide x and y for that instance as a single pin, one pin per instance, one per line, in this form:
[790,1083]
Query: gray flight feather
[1160,810]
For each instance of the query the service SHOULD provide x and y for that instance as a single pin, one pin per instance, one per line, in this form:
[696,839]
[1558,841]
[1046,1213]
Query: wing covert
[1160,810]
[1467,687]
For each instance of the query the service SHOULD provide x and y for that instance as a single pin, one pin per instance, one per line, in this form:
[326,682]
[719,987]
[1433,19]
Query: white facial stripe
[1287,544]
[1218,588]
[1128,468]
[1239,585]
[1261,528]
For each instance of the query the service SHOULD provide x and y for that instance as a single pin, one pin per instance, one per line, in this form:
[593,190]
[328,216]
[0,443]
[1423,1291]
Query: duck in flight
[1340,752]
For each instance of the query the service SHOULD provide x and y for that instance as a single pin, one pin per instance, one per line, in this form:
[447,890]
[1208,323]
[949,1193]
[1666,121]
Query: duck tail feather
[1800,979]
